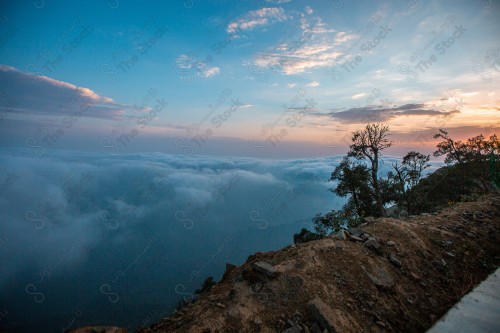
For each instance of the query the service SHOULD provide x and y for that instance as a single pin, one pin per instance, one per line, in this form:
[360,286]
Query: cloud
[309,10]
[382,113]
[313,84]
[291,85]
[26,93]
[299,60]
[140,225]
[358,96]
[100,201]
[311,45]
[212,71]
[189,64]
[255,18]
[469,94]
[343,37]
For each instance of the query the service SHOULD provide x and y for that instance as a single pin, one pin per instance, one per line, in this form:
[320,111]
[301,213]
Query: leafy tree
[389,192]
[472,157]
[334,220]
[353,180]
[368,144]
[461,152]
[470,171]
[414,164]
[359,181]
[406,176]
[440,188]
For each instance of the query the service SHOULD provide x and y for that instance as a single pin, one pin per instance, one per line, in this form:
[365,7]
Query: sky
[269,78]
[145,144]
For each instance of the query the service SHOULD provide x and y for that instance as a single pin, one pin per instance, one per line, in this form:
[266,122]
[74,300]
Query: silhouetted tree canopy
[473,168]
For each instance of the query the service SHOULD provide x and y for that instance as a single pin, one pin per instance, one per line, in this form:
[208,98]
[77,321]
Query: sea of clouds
[120,239]
[94,238]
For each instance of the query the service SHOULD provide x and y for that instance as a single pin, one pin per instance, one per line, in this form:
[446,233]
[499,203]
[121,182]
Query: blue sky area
[224,77]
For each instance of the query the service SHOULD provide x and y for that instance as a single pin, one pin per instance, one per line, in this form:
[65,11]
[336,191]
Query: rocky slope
[388,276]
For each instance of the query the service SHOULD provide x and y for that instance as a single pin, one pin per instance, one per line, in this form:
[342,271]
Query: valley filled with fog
[88,235]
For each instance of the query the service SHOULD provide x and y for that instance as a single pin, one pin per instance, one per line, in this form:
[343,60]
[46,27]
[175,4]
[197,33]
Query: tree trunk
[376,187]
[378,196]
[356,202]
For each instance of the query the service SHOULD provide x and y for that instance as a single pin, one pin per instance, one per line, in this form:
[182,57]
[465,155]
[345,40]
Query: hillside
[389,276]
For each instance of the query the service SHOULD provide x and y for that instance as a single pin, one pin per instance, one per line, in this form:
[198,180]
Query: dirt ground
[397,276]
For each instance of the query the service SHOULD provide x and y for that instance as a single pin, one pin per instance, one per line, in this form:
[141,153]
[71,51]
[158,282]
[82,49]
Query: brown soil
[443,256]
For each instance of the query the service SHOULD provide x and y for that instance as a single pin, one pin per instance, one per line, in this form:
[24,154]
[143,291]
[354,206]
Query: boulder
[403,214]
[355,232]
[265,268]
[322,314]
[395,261]
[365,236]
[373,245]
[396,212]
[342,234]
[381,278]
[355,238]
[392,211]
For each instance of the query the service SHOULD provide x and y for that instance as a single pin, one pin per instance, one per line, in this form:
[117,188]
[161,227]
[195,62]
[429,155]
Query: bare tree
[368,144]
